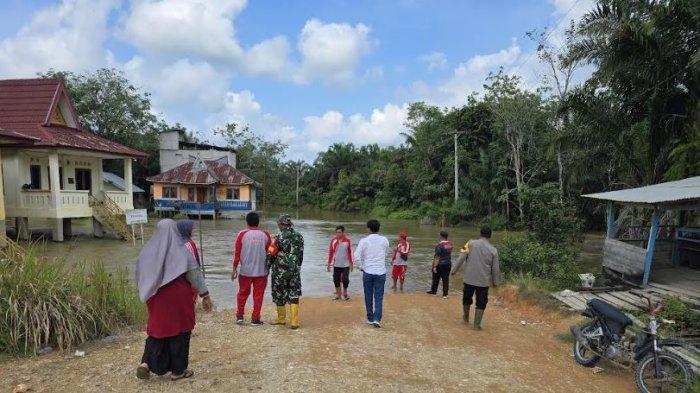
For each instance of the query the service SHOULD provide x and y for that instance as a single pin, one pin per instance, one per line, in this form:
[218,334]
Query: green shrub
[380,211]
[47,303]
[681,313]
[549,220]
[404,215]
[496,221]
[522,256]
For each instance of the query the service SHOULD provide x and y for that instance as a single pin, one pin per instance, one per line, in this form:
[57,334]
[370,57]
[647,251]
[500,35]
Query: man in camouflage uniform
[285,269]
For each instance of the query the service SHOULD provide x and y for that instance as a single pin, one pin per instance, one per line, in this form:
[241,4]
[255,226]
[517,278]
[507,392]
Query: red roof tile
[215,172]
[25,108]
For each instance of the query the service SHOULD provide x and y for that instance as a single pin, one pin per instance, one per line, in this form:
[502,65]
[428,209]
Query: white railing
[74,198]
[121,198]
[35,199]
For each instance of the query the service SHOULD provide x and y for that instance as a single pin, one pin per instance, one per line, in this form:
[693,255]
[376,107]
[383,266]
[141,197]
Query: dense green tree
[112,107]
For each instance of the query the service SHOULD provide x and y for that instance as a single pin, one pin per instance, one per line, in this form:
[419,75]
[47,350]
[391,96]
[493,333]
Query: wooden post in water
[201,245]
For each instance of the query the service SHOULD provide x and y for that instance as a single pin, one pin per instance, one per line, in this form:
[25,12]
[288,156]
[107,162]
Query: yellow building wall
[158,190]
[182,191]
[244,192]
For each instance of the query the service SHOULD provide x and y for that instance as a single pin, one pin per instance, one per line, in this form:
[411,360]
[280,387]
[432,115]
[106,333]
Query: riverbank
[423,346]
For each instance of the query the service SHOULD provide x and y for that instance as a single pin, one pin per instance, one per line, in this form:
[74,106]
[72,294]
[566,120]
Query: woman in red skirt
[166,273]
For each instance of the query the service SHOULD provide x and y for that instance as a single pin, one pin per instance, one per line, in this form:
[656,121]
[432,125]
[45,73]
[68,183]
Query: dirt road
[423,346]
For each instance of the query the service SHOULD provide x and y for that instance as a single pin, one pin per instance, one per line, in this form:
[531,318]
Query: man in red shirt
[340,258]
[250,254]
[399,261]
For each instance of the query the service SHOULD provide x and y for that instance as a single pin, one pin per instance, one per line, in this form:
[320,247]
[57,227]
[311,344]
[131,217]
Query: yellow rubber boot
[294,319]
[281,316]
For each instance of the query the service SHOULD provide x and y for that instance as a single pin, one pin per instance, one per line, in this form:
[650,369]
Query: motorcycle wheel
[583,355]
[676,374]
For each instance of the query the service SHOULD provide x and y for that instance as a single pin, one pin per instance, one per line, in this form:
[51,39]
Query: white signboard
[136,216]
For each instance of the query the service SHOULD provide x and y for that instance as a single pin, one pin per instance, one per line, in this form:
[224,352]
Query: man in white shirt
[370,257]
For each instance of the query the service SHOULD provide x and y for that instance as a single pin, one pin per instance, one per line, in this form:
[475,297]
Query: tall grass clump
[51,303]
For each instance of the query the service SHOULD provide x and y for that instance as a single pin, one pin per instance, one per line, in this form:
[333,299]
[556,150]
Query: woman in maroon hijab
[166,273]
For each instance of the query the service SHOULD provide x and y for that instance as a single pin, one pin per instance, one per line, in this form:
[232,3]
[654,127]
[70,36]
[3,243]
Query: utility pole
[456,135]
[299,165]
[456,170]
[298,170]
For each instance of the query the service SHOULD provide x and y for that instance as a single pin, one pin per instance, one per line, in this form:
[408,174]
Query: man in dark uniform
[285,270]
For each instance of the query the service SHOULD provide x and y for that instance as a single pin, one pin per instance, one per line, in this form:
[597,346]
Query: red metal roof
[214,172]
[25,109]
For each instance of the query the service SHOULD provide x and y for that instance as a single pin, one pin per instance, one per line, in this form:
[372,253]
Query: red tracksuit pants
[244,284]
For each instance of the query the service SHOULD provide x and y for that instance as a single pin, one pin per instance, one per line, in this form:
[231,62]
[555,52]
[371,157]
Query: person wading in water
[399,261]
[340,259]
[482,270]
[166,272]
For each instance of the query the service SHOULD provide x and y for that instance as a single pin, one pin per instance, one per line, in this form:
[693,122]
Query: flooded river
[316,227]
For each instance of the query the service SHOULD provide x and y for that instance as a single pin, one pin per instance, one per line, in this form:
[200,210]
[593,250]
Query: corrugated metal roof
[210,172]
[118,182]
[673,192]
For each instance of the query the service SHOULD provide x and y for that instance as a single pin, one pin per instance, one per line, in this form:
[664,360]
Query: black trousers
[341,274]
[443,273]
[170,354]
[482,296]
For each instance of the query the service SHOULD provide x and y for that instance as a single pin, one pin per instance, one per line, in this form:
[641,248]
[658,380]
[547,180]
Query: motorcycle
[656,368]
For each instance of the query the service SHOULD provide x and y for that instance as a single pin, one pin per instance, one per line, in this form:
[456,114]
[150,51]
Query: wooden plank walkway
[628,300]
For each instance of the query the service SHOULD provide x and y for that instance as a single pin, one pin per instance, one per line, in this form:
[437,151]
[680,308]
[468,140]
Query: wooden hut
[667,249]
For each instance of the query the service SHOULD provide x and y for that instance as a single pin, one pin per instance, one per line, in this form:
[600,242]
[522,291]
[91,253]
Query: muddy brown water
[316,227]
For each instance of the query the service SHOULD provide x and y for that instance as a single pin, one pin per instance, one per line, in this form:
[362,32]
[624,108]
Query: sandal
[142,372]
[187,374]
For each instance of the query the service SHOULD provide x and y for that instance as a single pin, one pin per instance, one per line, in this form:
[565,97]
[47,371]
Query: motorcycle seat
[610,312]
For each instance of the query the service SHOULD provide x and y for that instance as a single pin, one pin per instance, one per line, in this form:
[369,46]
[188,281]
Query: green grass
[52,303]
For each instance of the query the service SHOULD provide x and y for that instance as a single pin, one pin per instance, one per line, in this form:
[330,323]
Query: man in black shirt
[442,264]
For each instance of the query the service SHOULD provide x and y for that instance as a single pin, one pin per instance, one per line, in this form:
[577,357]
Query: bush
[522,256]
[406,214]
[47,303]
[681,313]
[496,221]
[380,211]
[546,217]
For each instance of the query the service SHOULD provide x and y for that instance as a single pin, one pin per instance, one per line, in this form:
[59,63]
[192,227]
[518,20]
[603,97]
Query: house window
[233,193]
[190,194]
[60,177]
[170,192]
[35,177]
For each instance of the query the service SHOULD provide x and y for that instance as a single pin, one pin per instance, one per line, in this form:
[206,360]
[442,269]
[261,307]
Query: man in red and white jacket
[399,261]
[340,257]
[250,253]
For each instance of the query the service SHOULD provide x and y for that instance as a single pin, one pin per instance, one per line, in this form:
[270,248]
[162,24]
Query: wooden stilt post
[612,213]
[653,232]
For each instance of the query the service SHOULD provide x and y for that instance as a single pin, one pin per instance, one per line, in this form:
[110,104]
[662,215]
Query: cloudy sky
[307,72]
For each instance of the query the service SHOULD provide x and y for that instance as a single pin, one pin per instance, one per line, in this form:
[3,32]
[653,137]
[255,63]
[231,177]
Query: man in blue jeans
[370,257]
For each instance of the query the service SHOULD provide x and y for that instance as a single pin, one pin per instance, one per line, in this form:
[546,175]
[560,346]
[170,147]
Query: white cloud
[269,57]
[183,82]
[435,61]
[185,27]
[331,51]
[384,127]
[468,77]
[68,36]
